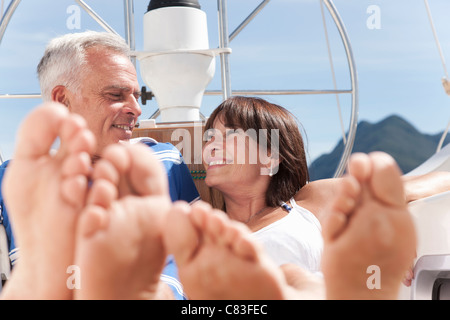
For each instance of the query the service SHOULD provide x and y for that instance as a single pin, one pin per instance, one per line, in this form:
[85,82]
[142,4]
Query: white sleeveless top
[296,238]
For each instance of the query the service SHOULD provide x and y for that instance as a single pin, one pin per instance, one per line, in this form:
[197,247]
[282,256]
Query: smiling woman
[286,149]
[234,158]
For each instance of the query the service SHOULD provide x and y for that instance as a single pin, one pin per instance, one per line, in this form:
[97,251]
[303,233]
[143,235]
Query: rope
[441,54]
[436,38]
[194,172]
[2,6]
[441,142]
[330,58]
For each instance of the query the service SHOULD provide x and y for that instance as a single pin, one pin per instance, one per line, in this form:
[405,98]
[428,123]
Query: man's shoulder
[145,140]
[3,169]
[154,144]
[164,151]
[4,165]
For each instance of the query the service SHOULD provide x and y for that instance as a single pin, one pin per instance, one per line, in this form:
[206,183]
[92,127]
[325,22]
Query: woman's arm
[316,194]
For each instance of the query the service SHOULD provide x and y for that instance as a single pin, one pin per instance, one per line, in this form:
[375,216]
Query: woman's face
[231,157]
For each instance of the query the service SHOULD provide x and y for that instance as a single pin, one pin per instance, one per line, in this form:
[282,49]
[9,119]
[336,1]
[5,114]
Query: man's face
[108,97]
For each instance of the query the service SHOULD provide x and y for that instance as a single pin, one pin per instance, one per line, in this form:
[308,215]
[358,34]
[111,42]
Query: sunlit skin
[234,167]
[108,97]
[228,150]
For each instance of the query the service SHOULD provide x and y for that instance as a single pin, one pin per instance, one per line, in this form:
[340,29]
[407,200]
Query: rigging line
[330,57]
[441,54]
[436,38]
[441,142]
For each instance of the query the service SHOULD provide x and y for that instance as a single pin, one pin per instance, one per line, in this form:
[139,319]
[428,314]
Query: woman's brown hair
[255,113]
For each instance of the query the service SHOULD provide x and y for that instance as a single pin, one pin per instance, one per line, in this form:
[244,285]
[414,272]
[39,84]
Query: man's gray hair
[65,56]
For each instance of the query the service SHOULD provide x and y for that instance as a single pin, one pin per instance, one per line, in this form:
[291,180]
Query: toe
[147,174]
[102,193]
[39,131]
[76,164]
[92,219]
[359,166]
[74,190]
[180,236]
[107,171]
[386,183]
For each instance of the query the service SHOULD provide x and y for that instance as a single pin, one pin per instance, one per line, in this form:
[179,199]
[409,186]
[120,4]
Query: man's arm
[418,187]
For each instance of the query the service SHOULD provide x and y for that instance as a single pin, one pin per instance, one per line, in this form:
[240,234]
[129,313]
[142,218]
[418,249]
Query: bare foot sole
[369,236]
[120,251]
[216,257]
[302,284]
[44,194]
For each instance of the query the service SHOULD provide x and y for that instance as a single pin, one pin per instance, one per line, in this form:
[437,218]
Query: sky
[397,61]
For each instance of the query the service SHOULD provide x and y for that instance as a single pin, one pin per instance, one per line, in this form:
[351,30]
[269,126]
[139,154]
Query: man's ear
[60,94]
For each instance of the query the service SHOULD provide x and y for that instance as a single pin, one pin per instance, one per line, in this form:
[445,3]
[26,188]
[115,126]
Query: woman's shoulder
[315,195]
[317,189]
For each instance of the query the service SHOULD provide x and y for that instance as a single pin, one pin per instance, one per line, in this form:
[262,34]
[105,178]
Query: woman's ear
[275,165]
[271,168]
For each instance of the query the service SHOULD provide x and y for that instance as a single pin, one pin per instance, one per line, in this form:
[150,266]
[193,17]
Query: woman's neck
[243,208]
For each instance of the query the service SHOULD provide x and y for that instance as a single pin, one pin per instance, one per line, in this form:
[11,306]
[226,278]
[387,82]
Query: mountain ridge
[393,135]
